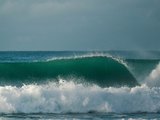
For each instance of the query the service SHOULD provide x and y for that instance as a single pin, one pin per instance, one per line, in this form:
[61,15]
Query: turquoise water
[80,85]
[100,70]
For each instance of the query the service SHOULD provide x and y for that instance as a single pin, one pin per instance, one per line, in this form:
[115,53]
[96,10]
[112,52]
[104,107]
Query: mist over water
[153,79]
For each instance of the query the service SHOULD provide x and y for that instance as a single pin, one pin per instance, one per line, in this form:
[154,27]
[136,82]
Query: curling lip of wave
[120,60]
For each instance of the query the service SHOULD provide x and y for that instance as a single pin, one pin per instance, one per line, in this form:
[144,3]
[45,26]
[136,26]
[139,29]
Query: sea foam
[68,97]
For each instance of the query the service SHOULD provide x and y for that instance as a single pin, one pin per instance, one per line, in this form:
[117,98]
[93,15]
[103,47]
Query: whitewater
[68,97]
[82,94]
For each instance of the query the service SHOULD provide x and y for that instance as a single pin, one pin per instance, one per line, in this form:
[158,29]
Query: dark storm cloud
[79,24]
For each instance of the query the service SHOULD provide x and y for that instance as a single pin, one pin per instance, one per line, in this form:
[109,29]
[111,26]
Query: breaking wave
[86,84]
[101,70]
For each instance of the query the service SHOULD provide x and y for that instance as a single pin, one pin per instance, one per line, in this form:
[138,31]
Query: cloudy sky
[79,24]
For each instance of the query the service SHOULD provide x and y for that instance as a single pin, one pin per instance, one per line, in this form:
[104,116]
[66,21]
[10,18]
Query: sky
[27,25]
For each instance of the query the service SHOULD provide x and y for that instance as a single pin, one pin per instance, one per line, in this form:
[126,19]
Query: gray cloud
[79,24]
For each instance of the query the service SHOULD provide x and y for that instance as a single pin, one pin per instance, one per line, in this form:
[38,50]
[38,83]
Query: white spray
[153,80]
[67,97]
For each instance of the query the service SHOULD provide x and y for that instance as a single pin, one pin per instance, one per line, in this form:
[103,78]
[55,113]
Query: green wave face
[99,70]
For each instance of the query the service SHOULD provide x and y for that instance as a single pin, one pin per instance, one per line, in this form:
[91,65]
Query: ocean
[45,85]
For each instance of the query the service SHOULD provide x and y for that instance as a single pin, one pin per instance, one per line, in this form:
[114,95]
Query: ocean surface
[80,85]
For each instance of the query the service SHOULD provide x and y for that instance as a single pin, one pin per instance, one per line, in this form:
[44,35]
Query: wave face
[101,70]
